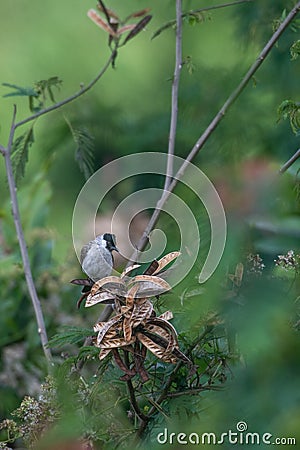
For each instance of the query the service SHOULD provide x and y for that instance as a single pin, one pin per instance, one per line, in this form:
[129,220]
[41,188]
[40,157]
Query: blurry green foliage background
[127,112]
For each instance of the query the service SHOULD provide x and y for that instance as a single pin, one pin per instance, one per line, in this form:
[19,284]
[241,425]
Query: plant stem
[72,97]
[6,152]
[22,244]
[191,12]
[213,125]
[291,161]
[175,88]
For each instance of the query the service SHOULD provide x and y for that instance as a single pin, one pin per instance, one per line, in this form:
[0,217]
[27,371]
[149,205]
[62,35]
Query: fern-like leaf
[84,153]
[20,91]
[20,150]
[295,50]
[290,110]
[69,335]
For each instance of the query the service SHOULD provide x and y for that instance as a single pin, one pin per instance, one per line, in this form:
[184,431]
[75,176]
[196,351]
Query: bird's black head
[110,241]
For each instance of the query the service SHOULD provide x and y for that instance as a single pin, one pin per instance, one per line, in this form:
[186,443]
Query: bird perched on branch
[96,257]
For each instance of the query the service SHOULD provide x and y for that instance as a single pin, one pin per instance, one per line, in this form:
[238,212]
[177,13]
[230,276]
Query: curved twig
[22,244]
[175,88]
[72,97]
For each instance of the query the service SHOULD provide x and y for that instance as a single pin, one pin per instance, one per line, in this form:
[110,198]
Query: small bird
[96,257]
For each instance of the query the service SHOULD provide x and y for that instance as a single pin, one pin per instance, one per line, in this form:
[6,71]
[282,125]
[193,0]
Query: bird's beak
[115,249]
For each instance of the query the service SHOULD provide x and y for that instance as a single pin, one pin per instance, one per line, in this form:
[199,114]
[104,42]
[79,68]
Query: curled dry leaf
[99,297]
[104,352]
[167,315]
[138,28]
[150,285]
[155,348]
[124,29]
[94,16]
[129,269]
[165,260]
[111,284]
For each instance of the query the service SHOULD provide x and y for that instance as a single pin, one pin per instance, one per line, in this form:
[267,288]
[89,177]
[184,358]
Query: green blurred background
[127,112]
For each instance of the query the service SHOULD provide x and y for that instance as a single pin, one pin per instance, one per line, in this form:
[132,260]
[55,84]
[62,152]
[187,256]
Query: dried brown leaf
[131,296]
[115,283]
[138,28]
[167,315]
[92,14]
[104,327]
[103,353]
[155,348]
[151,283]
[165,260]
[129,269]
[116,342]
[100,297]
[127,329]
[141,313]
[124,29]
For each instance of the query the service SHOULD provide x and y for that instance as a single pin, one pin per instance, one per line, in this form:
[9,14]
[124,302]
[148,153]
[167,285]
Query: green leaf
[289,109]
[84,153]
[44,87]
[69,335]
[295,50]
[20,91]
[20,150]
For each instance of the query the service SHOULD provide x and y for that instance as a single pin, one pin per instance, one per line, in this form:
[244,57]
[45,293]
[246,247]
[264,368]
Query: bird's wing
[84,251]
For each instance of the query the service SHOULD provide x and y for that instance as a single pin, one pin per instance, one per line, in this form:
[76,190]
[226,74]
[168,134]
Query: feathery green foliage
[70,335]
[20,151]
[289,109]
[84,153]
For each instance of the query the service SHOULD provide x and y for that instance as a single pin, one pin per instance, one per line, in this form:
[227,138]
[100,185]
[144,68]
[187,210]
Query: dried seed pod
[141,313]
[103,327]
[111,284]
[103,353]
[92,14]
[100,297]
[150,285]
[167,315]
[155,348]
[165,260]
[138,28]
[129,269]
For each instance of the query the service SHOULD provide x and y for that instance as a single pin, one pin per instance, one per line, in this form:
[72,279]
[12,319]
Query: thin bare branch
[175,88]
[213,125]
[72,97]
[191,12]
[291,161]
[24,253]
